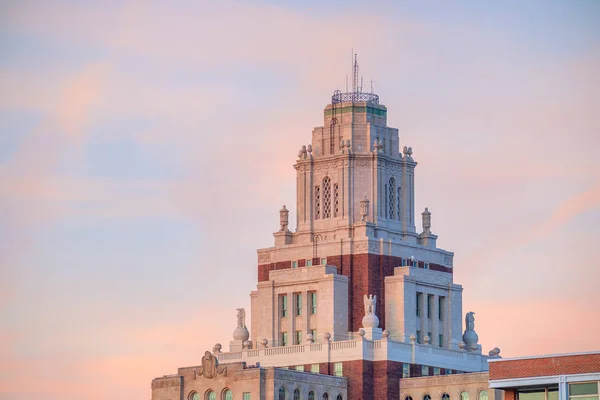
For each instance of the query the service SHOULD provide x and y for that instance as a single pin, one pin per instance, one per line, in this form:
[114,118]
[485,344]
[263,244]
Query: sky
[146,148]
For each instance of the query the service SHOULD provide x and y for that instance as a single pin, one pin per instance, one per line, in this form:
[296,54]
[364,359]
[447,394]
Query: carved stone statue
[370,304]
[426,221]
[470,321]
[364,208]
[241,318]
[283,219]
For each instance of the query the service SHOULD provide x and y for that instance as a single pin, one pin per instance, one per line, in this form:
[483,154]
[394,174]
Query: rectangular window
[430,338]
[309,262]
[441,340]
[323,261]
[406,370]
[449,372]
[294,264]
[426,265]
[385,210]
[419,304]
[436,371]
[337,369]
[283,305]
[583,391]
[300,368]
[440,307]
[404,262]
[298,337]
[312,296]
[284,339]
[314,368]
[246,396]
[424,370]
[419,338]
[429,305]
[313,332]
[298,309]
[415,264]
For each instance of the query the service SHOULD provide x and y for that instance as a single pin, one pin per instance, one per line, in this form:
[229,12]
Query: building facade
[471,386]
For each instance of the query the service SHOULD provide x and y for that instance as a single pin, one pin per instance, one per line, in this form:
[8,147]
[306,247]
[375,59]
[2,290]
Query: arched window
[297,394]
[325,396]
[426,397]
[408,398]
[399,201]
[282,393]
[392,199]
[317,202]
[445,396]
[311,395]
[483,395]
[210,395]
[326,197]
[336,200]
[227,395]
[194,396]
[464,396]
[339,397]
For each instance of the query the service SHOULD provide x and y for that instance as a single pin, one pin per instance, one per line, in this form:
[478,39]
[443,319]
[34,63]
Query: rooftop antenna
[355,75]
[346,83]
[372,86]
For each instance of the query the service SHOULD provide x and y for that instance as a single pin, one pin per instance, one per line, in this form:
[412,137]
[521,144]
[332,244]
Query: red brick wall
[547,366]
[366,273]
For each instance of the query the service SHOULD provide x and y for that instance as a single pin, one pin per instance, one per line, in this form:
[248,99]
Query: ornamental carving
[264,257]
[374,247]
[448,260]
[210,367]
[361,247]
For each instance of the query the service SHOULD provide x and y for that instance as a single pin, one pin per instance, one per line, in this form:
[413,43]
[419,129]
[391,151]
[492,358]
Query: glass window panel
[552,394]
[579,389]
[246,396]
[314,368]
[483,395]
[533,395]
[464,396]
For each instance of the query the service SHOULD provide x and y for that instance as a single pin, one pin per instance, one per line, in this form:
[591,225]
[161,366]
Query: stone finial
[247,344]
[426,220]
[495,352]
[470,336]
[327,336]
[385,334]
[361,332]
[408,153]
[283,219]
[264,343]
[241,333]
[309,338]
[461,345]
[302,154]
[370,320]
[309,150]
[217,348]
[426,340]
[413,338]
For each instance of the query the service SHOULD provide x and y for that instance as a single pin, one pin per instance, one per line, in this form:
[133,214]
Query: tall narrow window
[313,332]
[282,394]
[441,308]
[399,201]
[284,339]
[406,370]
[464,396]
[337,369]
[429,305]
[311,395]
[419,304]
[283,305]
[441,340]
[326,197]
[297,394]
[392,199]
[336,200]
[227,395]
[313,302]
[298,337]
[298,308]
[385,201]
[317,202]
[483,395]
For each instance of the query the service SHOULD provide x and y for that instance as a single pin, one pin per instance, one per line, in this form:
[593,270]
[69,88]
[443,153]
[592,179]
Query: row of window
[577,391]
[309,262]
[283,395]
[283,304]
[226,394]
[297,337]
[323,209]
[414,263]
[314,368]
[483,395]
[430,301]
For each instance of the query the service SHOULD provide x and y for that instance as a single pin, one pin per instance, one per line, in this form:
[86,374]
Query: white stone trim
[545,356]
